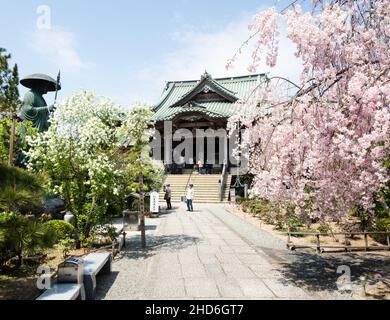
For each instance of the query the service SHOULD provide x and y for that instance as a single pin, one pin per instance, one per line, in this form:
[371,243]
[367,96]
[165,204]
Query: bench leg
[90,286]
[82,292]
[107,267]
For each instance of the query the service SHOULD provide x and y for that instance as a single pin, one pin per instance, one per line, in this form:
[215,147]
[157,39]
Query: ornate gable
[207,90]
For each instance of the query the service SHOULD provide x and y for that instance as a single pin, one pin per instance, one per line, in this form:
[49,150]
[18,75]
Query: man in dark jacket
[168,196]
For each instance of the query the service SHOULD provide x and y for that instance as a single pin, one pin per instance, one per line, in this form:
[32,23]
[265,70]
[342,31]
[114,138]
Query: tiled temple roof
[181,96]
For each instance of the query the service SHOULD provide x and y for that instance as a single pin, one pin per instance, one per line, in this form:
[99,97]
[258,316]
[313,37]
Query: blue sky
[128,49]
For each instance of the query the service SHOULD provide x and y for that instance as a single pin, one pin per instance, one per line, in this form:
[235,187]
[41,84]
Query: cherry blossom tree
[323,148]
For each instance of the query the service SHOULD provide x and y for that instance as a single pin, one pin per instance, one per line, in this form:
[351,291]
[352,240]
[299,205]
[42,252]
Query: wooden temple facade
[189,108]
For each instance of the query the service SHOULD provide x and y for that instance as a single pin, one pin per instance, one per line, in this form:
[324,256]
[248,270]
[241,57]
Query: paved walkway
[213,254]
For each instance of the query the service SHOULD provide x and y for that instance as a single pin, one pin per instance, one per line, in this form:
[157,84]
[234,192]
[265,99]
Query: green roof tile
[175,91]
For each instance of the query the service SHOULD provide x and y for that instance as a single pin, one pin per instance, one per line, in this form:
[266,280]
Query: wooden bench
[94,263]
[64,291]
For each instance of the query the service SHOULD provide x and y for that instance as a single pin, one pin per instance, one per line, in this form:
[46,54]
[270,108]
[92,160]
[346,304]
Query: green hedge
[61,229]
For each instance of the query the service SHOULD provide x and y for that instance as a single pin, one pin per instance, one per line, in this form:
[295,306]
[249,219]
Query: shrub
[61,229]
[262,208]
[382,225]
[278,220]
[101,234]
[66,245]
[293,223]
[21,236]
[253,206]
[20,191]
[134,203]
[324,229]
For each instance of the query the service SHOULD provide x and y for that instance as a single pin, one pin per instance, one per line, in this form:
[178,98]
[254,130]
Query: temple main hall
[190,107]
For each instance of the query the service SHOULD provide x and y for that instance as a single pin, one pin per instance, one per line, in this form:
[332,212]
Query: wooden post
[12,141]
[366,240]
[142,211]
[288,238]
[113,249]
[388,239]
[346,243]
[124,239]
[318,243]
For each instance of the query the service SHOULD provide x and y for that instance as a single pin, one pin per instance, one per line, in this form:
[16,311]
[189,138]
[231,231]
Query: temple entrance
[189,112]
[198,144]
[206,155]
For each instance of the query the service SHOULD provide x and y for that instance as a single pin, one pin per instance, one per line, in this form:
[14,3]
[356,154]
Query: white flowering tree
[84,156]
[144,172]
[139,122]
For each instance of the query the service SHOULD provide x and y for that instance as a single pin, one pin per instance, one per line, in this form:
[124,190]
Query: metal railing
[222,182]
[346,247]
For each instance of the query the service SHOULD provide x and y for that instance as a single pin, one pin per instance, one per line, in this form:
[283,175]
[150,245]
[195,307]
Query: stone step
[197,195]
[197,176]
[194,183]
[197,190]
[200,194]
[206,187]
[192,180]
[211,176]
[178,199]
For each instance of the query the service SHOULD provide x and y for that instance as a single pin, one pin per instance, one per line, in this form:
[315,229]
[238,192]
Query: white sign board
[154,202]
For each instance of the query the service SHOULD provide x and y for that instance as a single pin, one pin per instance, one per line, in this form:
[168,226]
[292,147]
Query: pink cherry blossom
[323,148]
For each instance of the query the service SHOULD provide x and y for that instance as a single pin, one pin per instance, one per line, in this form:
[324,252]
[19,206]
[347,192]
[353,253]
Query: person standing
[200,166]
[190,198]
[168,196]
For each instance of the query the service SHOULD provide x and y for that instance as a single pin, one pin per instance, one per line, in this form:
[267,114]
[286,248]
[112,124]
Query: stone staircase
[206,187]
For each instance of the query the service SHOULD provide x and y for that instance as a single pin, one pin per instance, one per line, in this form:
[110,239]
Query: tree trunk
[12,141]
[20,259]
[76,238]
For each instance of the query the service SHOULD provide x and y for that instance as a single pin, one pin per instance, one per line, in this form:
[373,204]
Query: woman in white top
[190,198]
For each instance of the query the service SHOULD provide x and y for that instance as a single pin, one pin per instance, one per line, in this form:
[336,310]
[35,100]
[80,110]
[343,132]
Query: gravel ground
[213,254]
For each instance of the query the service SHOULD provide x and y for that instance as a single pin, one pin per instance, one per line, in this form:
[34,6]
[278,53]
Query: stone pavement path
[213,254]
